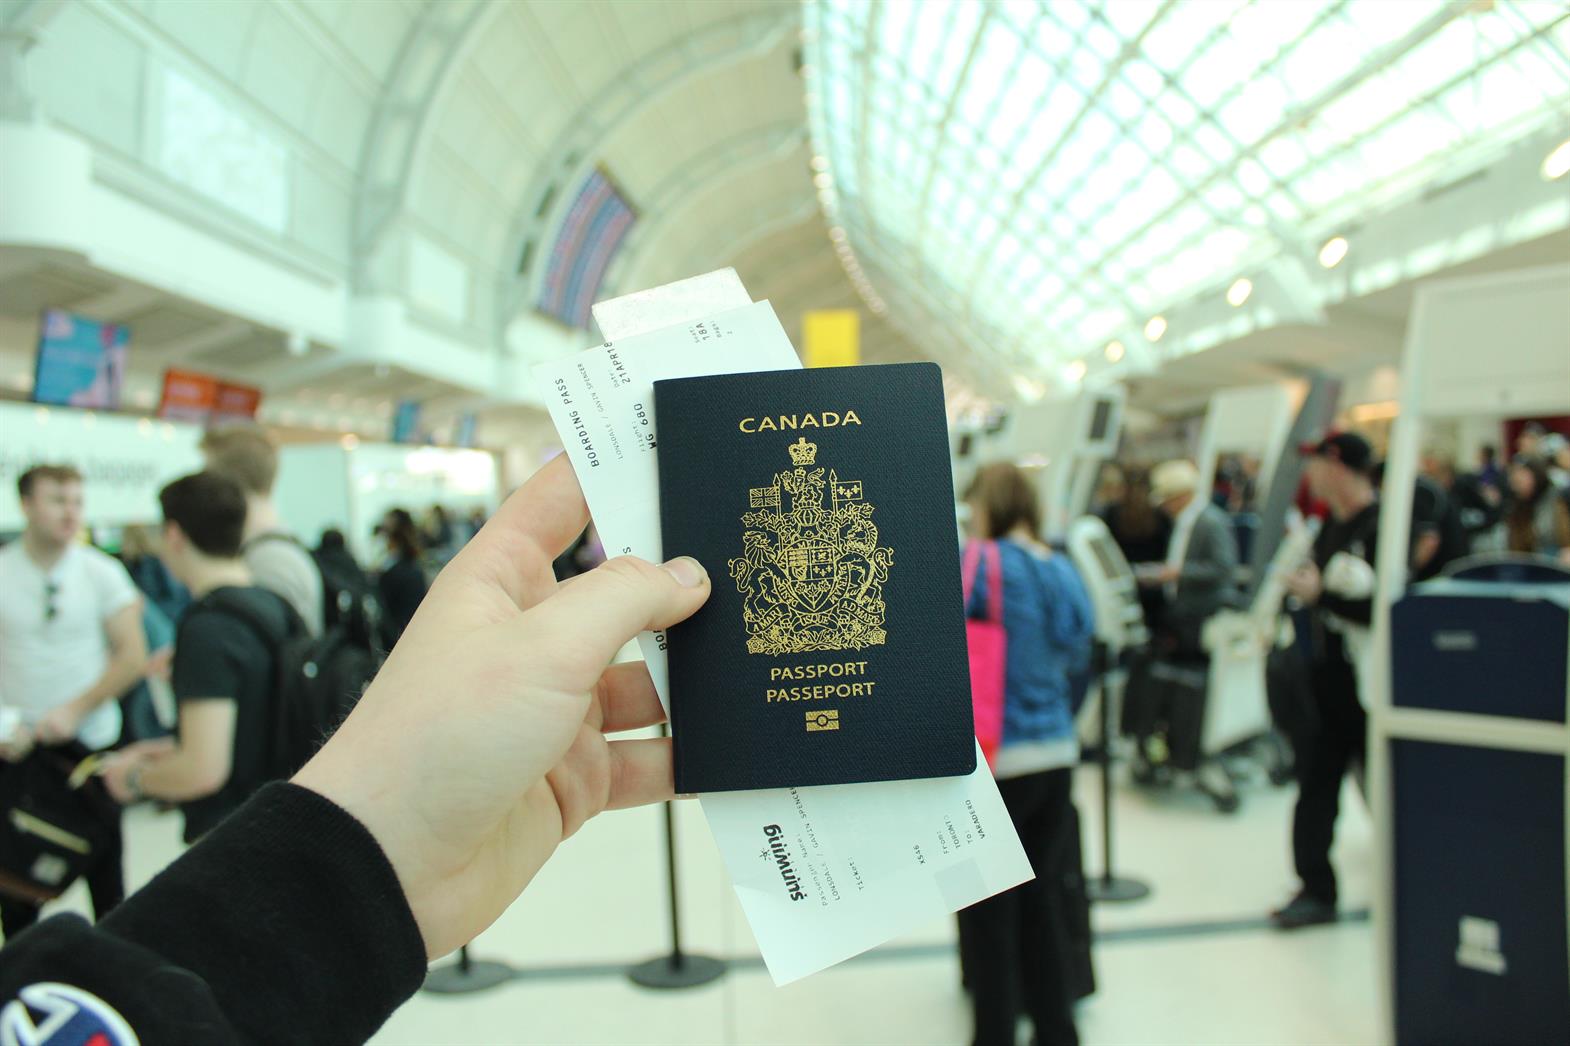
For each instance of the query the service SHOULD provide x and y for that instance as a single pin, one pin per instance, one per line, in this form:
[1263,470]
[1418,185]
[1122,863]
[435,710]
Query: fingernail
[686,570]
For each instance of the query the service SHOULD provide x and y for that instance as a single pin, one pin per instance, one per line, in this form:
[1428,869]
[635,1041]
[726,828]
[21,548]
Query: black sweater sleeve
[285,924]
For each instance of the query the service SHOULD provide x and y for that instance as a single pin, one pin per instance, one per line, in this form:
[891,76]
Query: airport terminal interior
[1238,504]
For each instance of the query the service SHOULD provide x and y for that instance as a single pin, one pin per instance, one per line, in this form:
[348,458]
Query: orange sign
[188,396]
[236,403]
[191,396]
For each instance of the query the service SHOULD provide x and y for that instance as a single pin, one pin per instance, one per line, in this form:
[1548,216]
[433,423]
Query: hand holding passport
[833,648]
[846,575]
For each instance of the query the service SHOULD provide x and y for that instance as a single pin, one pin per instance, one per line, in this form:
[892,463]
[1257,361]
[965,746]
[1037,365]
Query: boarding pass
[823,873]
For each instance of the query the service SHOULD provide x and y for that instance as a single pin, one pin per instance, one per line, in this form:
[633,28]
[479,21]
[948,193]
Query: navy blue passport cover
[832,650]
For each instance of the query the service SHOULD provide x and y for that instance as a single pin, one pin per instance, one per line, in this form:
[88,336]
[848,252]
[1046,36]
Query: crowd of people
[80,638]
[1187,559]
[159,669]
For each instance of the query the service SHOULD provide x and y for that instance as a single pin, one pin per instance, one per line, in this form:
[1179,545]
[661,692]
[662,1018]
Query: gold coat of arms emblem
[811,571]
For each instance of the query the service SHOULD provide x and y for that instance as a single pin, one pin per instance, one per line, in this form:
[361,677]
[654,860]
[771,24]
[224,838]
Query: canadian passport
[832,649]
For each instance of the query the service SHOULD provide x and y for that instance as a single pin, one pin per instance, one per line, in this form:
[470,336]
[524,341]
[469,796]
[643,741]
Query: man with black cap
[1338,588]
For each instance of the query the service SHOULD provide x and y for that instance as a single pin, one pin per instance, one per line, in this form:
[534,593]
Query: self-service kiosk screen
[1100,420]
[1106,557]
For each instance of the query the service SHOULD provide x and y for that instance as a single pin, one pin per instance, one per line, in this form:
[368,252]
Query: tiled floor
[600,904]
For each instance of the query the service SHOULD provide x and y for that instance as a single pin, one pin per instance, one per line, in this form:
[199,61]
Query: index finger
[537,523]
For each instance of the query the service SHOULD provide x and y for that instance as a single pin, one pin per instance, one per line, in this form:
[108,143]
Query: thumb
[587,621]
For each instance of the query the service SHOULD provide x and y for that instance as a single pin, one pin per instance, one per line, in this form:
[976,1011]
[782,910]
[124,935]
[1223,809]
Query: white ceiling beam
[116,304]
[292,372]
[204,340]
[433,49]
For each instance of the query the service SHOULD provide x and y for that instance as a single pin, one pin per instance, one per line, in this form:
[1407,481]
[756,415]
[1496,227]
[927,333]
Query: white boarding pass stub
[822,873]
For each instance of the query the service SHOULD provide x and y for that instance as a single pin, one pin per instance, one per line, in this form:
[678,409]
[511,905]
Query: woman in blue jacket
[1015,945]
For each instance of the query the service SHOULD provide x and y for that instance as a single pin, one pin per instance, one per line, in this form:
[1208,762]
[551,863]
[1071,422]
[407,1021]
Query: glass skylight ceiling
[1042,177]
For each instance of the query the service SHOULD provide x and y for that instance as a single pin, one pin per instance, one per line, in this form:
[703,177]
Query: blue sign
[468,425]
[406,422]
[81,363]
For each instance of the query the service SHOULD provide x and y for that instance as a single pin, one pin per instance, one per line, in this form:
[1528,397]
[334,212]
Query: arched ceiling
[1019,181]
[1039,178]
[397,131]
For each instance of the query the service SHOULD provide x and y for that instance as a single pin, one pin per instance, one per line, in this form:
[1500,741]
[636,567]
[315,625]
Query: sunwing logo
[776,837]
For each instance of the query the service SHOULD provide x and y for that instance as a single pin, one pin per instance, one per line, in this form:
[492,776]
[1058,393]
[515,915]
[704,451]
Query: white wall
[329,485]
[124,461]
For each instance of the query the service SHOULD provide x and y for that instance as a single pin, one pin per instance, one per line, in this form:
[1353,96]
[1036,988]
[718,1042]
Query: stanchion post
[676,969]
[467,975]
[1107,886]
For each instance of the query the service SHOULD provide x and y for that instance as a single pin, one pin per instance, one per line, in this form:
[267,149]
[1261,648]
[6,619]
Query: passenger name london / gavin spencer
[823,419]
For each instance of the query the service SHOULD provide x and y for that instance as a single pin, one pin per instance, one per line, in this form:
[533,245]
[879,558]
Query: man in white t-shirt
[71,643]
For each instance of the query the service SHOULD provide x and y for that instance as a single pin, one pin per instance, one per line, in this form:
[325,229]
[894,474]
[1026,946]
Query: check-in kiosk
[1263,423]
[1246,423]
[1469,706]
[1114,593]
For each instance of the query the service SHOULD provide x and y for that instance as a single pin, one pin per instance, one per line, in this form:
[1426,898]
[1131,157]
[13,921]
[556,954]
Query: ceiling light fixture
[1114,351]
[1074,373]
[823,180]
[1238,293]
[1334,250]
[1557,163]
[1155,327]
[837,234]
[820,162]
[1029,389]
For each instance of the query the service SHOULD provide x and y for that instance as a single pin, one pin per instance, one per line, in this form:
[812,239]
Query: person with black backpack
[312,912]
[225,667]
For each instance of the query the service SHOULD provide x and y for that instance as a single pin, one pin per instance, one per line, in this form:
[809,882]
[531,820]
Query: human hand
[14,749]
[60,724]
[1305,583]
[481,744]
[115,772]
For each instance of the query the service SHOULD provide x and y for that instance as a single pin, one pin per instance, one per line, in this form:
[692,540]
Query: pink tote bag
[988,645]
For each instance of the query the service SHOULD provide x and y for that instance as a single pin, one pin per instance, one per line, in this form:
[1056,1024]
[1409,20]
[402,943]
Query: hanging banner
[188,396]
[81,362]
[235,403]
[831,338]
[406,422]
[203,399]
[467,429]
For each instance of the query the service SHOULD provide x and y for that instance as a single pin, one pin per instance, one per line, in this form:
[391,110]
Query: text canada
[824,419]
